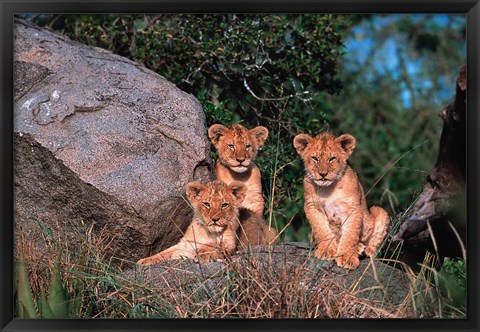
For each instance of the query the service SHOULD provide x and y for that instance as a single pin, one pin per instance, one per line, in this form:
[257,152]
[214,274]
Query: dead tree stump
[437,221]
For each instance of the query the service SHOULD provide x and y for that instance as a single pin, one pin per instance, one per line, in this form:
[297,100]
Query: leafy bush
[453,282]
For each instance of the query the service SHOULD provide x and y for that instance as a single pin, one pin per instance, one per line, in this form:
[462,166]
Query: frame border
[9,7]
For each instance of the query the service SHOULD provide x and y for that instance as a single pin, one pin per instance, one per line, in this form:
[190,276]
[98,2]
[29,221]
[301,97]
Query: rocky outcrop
[125,131]
[49,195]
[274,280]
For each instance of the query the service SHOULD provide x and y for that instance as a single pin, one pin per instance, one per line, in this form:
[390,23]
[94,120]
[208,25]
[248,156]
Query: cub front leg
[209,255]
[215,251]
[254,198]
[326,243]
[254,202]
[347,253]
[163,255]
[183,249]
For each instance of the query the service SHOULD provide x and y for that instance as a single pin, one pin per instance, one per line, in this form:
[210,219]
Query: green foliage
[44,307]
[57,297]
[444,291]
[25,304]
[453,282]
[276,56]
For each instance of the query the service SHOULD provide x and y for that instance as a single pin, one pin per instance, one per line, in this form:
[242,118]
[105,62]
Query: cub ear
[347,142]
[194,189]
[260,135]
[239,190]
[300,142]
[215,132]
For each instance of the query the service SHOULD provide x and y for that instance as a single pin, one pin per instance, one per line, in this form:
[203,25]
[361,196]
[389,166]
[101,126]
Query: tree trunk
[441,207]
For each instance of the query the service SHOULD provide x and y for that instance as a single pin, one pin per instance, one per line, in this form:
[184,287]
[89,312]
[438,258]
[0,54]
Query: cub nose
[240,160]
[323,175]
[215,219]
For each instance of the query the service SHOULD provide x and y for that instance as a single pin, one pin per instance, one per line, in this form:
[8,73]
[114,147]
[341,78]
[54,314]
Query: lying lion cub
[343,227]
[215,228]
[237,147]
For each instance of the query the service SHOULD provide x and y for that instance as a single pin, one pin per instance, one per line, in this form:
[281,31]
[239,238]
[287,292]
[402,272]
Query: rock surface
[374,290]
[50,195]
[119,127]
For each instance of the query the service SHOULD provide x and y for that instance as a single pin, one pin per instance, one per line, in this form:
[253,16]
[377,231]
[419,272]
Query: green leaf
[139,24]
[44,308]
[25,302]
[56,295]
[24,311]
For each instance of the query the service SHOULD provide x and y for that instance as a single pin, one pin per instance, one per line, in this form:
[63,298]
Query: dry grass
[249,286]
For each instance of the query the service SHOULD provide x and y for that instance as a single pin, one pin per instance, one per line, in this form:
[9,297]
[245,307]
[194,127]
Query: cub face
[217,203]
[237,146]
[325,156]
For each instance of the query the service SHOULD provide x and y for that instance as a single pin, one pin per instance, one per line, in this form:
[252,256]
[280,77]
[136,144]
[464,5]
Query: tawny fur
[237,148]
[335,205]
[212,233]
[219,225]
[253,230]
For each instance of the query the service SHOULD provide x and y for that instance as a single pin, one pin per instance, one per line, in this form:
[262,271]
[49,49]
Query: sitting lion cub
[215,228]
[237,147]
[343,227]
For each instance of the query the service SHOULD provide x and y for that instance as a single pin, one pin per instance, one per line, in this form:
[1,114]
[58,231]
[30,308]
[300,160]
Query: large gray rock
[119,127]
[52,204]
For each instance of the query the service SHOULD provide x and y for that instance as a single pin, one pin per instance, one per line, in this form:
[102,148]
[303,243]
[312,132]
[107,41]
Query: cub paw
[208,257]
[361,249]
[370,251]
[326,250]
[144,261]
[348,261]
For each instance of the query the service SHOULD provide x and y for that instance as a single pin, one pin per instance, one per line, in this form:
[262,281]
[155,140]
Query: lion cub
[237,147]
[343,227]
[215,228]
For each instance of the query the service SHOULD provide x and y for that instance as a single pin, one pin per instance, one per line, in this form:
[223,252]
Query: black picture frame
[471,8]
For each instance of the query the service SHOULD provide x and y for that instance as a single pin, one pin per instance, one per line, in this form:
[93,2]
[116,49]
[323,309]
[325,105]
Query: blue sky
[386,57]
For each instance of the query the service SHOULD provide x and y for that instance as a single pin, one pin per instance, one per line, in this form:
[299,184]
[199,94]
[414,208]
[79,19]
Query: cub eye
[331,160]
[230,146]
[315,159]
[248,146]
[206,204]
[224,206]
